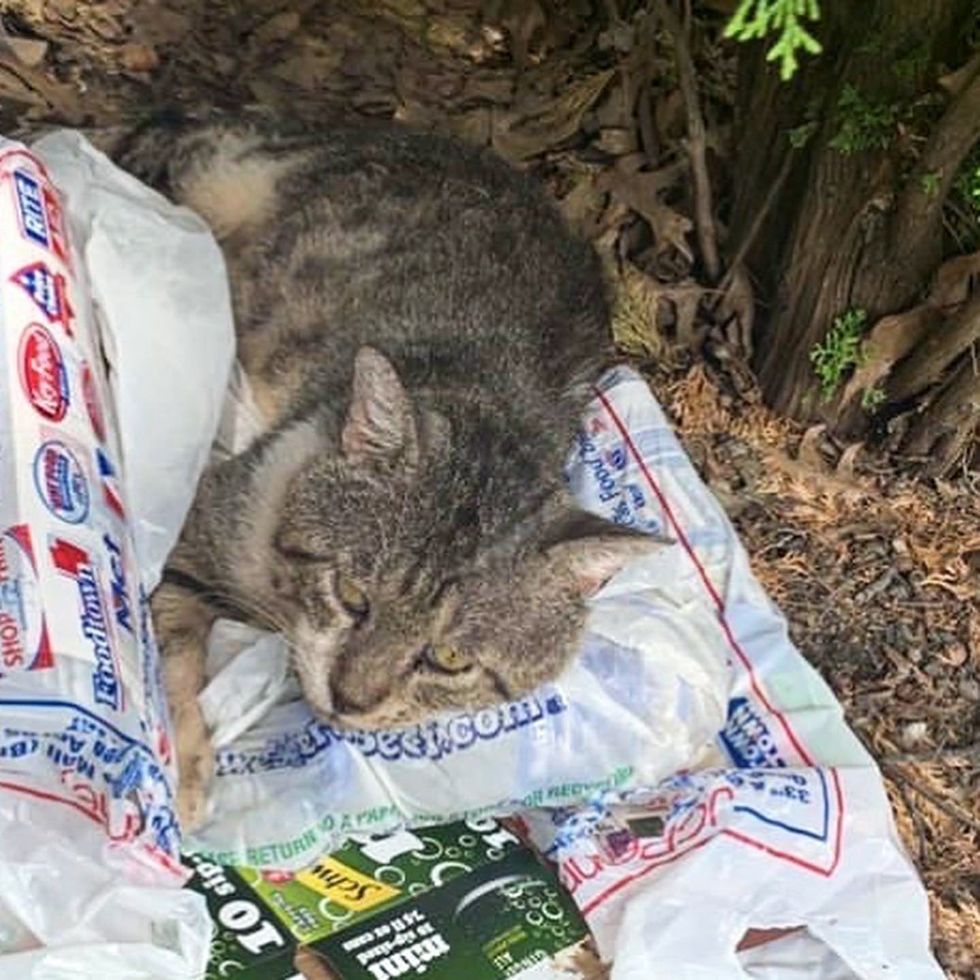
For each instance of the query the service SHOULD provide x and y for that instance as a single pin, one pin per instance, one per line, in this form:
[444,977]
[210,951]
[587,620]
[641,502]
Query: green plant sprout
[968,184]
[840,351]
[873,398]
[784,18]
[865,124]
[930,184]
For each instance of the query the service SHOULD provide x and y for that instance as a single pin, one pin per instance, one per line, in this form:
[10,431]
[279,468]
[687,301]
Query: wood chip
[139,57]
[27,50]
[277,28]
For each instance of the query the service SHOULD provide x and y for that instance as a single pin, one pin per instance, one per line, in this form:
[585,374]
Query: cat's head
[395,605]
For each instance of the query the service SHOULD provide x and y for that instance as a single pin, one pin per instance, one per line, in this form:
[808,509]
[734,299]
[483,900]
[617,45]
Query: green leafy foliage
[912,65]
[782,18]
[930,184]
[840,350]
[968,184]
[963,204]
[865,123]
[873,398]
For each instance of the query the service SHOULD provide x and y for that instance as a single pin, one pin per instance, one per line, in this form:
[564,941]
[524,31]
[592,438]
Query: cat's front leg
[182,622]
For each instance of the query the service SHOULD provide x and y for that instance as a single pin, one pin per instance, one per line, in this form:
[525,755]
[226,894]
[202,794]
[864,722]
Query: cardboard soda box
[462,900]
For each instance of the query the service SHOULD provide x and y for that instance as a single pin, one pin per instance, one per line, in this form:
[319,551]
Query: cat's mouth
[315,655]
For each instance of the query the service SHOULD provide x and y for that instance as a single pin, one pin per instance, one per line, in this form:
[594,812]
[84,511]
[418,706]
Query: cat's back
[440,254]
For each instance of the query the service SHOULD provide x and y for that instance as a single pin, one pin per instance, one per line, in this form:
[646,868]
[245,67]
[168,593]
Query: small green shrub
[968,184]
[963,204]
[839,352]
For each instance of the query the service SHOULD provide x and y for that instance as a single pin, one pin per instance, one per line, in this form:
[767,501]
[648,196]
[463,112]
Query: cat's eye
[352,598]
[447,658]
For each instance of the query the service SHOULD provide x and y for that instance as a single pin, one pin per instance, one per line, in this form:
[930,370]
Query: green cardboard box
[463,901]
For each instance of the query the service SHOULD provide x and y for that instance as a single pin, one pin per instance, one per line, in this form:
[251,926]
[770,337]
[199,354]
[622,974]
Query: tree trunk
[851,226]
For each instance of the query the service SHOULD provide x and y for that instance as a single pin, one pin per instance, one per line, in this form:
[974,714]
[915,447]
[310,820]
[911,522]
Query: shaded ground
[878,573]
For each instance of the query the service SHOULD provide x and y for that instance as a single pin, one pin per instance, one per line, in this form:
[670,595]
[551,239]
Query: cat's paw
[195,766]
[192,793]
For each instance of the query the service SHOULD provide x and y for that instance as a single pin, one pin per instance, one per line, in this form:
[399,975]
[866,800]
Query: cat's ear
[593,549]
[380,424]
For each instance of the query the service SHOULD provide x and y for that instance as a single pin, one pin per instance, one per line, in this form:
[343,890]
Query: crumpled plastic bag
[95,490]
[791,829]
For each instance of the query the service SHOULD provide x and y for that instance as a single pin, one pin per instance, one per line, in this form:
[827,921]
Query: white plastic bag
[89,876]
[796,831]
[158,279]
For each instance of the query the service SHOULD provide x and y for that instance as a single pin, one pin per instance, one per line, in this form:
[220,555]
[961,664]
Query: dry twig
[753,232]
[939,755]
[696,143]
[961,816]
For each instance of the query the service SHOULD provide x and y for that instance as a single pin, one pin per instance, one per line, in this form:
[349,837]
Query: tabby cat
[420,332]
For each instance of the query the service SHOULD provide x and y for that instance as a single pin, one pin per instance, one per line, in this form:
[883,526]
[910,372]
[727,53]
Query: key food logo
[75,562]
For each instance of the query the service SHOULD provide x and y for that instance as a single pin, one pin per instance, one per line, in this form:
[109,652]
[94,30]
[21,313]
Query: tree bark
[927,363]
[838,237]
[946,429]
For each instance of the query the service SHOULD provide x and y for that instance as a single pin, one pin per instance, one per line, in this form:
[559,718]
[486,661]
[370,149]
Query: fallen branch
[757,221]
[933,755]
[921,831]
[648,134]
[644,107]
[696,143]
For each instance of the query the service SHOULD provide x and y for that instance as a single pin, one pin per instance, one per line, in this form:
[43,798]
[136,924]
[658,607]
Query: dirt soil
[877,570]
